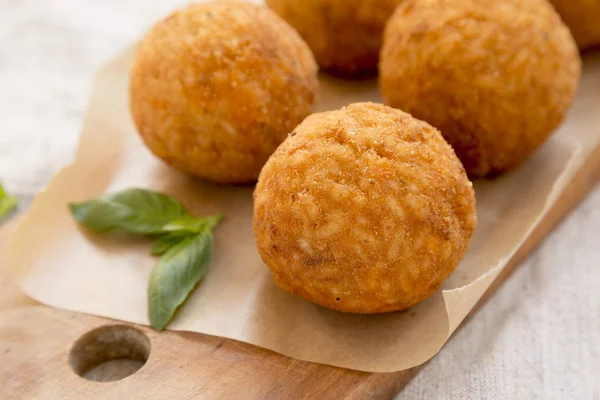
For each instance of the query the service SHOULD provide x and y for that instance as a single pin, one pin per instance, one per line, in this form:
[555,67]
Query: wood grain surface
[35,342]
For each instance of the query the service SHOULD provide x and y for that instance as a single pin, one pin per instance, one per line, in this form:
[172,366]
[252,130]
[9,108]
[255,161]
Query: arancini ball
[217,86]
[364,209]
[344,35]
[496,77]
[583,18]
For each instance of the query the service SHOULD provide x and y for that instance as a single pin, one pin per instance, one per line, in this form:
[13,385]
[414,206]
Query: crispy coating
[583,18]
[344,35]
[495,76]
[364,209]
[216,87]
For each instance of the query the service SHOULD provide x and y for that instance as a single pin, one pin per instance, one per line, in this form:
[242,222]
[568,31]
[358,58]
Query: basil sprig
[8,202]
[184,242]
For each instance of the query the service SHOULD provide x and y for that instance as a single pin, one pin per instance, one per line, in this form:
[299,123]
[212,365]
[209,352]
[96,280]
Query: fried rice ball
[583,18]
[495,76]
[364,209]
[217,86]
[344,35]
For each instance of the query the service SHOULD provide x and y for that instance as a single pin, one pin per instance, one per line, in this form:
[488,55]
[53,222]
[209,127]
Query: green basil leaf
[176,275]
[164,243]
[8,202]
[134,210]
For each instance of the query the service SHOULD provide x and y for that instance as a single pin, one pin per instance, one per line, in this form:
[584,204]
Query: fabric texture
[538,337]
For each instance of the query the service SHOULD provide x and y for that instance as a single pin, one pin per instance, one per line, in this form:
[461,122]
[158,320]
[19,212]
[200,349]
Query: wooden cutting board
[37,353]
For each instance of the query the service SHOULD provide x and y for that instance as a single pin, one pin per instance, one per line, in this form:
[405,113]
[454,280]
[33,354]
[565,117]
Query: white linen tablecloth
[537,338]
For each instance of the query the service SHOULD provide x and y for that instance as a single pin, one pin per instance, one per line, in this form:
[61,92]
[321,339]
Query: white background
[537,338]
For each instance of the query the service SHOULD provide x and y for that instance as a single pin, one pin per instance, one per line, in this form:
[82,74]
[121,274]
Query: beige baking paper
[58,264]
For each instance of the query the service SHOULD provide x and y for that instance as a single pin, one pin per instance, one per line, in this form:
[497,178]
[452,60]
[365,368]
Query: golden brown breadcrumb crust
[583,18]
[216,87]
[365,209]
[345,35]
[495,76]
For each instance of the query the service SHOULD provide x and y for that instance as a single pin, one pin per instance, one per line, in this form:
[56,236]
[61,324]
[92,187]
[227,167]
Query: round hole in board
[109,353]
